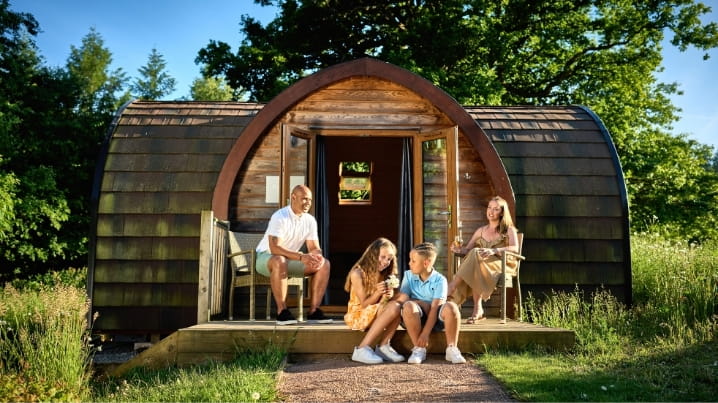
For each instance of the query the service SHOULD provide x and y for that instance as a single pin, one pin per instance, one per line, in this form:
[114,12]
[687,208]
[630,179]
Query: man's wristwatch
[300,256]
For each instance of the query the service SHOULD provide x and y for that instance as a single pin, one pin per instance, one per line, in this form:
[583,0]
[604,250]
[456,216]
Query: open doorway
[354,224]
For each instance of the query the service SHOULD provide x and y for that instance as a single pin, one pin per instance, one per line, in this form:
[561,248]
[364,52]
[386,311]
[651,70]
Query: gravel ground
[116,351]
[335,378]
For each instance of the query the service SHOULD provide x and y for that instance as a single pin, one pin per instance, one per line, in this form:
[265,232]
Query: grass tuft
[44,343]
[251,376]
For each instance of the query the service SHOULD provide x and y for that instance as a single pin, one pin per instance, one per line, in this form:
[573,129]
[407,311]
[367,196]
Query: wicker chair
[242,258]
[507,281]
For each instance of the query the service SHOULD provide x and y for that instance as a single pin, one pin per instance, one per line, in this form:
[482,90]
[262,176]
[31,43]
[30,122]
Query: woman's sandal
[473,319]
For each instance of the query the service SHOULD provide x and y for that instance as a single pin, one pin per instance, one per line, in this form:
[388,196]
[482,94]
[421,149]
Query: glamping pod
[386,153]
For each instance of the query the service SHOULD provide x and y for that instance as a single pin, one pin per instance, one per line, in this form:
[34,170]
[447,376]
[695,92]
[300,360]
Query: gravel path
[335,378]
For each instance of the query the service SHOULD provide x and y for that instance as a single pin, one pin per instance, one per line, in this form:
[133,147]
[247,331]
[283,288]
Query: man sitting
[279,256]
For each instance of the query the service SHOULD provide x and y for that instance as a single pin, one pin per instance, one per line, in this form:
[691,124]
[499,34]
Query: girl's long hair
[368,264]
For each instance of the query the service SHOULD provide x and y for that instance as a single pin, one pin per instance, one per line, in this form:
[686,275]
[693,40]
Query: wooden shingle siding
[149,319]
[166,163]
[153,203]
[531,165]
[159,172]
[147,294]
[147,271]
[570,197]
[570,206]
[147,248]
[165,225]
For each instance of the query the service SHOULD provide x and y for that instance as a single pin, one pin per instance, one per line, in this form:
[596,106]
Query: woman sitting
[480,270]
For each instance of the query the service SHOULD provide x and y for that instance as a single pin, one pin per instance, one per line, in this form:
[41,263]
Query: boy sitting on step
[423,293]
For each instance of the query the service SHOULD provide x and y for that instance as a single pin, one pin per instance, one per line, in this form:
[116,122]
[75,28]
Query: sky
[178,29]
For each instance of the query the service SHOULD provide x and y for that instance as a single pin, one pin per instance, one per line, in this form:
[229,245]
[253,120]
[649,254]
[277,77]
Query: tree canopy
[211,89]
[600,53]
[154,82]
[52,122]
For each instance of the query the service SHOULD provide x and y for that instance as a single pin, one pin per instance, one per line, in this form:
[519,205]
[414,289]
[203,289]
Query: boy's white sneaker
[418,355]
[388,353]
[366,355]
[454,355]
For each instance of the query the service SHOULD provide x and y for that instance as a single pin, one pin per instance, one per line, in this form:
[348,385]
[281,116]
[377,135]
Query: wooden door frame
[450,133]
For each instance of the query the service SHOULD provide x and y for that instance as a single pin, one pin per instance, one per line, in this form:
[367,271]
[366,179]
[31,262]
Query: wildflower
[256,396]
[604,388]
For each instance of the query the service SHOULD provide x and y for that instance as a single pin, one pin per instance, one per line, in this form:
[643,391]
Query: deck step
[221,340]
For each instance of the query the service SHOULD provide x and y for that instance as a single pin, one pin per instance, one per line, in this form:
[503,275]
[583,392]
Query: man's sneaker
[366,355]
[318,317]
[418,355]
[454,355]
[285,318]
[388,353]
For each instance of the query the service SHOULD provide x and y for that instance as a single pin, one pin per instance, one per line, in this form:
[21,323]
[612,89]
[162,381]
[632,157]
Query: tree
[52,122]
[155,82]
[211,89]
[89,65]
[479,51]
[600,53]
[32,206]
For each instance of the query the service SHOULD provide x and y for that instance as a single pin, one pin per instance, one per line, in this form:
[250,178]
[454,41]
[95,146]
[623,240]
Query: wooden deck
[220,340]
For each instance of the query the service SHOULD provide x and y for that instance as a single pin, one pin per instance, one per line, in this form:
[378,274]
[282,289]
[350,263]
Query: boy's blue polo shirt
[434,287]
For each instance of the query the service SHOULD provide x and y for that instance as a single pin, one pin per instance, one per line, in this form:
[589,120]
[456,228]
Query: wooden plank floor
[220,340]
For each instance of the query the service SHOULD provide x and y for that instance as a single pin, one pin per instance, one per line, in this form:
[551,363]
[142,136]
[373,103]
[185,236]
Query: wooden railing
[213,276]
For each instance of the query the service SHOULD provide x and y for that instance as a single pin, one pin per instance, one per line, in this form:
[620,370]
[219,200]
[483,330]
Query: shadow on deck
[220,340]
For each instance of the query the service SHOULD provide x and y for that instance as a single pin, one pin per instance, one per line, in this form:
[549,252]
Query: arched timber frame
[360,67]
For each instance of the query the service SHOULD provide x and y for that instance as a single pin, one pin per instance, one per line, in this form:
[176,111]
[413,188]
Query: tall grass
[251,376]
[675,288]
[600,321]
[44,348]
[45,355]
[662,348]
[675,298]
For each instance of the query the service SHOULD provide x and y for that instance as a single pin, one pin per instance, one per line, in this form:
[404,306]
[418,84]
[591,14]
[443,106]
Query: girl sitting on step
[371,283]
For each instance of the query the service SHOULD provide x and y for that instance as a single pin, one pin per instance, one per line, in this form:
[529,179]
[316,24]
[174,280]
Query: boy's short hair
[427,250]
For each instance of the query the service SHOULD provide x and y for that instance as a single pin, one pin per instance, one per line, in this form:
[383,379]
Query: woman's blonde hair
[506,221]
[368,264]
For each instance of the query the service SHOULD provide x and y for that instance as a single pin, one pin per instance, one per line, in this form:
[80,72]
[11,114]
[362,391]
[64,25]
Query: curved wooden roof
[365,67]
[164,162]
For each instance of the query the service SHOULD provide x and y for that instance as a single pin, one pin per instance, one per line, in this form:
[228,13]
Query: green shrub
[20,388]
[68,277]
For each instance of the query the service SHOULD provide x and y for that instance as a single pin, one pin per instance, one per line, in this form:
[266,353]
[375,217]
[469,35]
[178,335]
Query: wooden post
[205,263]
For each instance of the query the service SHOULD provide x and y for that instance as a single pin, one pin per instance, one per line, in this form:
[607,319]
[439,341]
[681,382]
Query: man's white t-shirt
[291,229]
